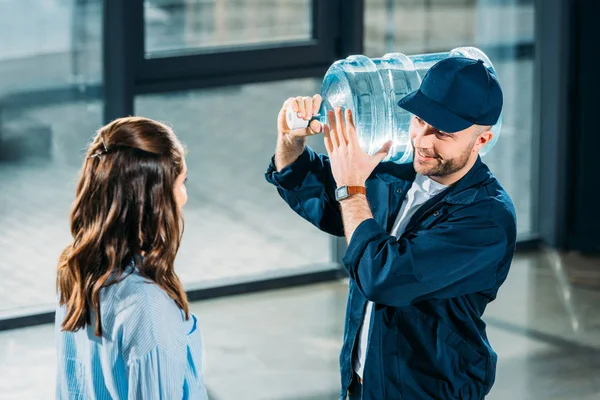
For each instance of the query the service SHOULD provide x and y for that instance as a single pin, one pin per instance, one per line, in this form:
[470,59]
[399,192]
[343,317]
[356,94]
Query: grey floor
[284,344]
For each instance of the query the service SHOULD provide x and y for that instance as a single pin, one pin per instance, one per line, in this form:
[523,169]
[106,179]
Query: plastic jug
[371,88]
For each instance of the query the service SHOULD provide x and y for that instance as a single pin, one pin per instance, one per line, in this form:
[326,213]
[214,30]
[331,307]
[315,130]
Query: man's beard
[443,167]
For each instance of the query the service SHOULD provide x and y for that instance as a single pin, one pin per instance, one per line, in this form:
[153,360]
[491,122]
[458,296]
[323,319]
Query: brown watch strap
[356,190]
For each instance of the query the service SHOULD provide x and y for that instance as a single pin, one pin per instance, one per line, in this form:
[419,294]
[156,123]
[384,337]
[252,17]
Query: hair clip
[99,153]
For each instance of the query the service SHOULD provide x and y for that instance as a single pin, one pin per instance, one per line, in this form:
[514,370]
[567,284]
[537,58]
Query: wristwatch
[343,192]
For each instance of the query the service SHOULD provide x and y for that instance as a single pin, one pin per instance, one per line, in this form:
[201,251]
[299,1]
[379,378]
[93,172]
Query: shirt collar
[428,185]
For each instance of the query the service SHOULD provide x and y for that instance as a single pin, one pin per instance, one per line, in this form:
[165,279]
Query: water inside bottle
[371,88]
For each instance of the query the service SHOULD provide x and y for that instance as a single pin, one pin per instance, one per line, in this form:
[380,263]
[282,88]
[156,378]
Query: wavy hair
[125,206]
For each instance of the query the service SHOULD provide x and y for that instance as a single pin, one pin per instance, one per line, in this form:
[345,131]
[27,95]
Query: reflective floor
[283,345]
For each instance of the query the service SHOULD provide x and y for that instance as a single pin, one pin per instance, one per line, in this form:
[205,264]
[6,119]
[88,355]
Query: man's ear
[484,138]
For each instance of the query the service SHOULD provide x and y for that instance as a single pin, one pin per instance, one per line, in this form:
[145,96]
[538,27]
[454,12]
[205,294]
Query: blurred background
[267,287]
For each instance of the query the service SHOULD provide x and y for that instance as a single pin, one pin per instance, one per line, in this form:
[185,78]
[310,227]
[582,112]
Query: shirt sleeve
[308,187]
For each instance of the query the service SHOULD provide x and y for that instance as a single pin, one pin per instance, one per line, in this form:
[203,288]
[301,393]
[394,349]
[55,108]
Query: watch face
[342,192]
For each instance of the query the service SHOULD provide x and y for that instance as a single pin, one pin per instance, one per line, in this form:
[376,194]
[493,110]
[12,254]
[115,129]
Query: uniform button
[399,190]
[435,214]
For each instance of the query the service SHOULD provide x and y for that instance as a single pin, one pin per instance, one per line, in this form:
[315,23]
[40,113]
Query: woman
[123,325]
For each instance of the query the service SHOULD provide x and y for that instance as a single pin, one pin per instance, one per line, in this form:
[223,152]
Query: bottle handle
[293,121]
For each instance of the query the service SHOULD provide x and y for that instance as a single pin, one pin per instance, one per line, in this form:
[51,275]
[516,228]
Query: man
[429,244]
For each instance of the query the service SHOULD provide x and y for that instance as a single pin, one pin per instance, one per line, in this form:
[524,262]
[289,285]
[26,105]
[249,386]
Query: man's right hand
[306,107]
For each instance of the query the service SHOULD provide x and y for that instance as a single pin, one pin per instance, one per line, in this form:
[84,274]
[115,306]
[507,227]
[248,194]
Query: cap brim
[433,113]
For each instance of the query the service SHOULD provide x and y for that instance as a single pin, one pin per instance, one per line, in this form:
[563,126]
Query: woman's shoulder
[136,293]
[130,283]
[139,304]
[141,316]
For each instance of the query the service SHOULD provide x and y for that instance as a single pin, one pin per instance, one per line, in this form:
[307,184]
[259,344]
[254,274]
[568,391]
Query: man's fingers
[351,134]
[308,108]
[340,126]
[301,107]
[383,152]
[291,102]
[333,131]
[282,124]
[317,100]
[315,126]
[327,139]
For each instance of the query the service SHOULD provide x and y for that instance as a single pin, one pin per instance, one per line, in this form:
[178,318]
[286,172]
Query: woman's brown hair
[125,206]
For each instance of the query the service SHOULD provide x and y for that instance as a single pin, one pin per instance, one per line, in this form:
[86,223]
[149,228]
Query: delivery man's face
[438,153]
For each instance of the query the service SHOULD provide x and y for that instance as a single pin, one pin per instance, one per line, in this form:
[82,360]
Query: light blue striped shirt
[147,349]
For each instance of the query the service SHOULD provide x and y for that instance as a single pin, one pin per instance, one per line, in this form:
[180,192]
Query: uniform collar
[461,192]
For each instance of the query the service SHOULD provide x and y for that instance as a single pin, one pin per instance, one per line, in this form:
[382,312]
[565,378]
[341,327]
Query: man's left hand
[350,164]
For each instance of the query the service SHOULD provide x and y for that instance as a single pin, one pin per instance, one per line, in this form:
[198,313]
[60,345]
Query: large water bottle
[371,88]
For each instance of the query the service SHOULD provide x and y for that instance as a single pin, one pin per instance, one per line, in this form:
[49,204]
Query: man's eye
[185,180]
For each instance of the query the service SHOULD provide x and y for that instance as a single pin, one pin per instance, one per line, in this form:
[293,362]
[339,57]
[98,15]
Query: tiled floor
[284,344]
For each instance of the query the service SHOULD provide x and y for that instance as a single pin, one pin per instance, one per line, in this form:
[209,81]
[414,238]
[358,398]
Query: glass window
[236,225]
[184,26]
[504,29]
[50,106]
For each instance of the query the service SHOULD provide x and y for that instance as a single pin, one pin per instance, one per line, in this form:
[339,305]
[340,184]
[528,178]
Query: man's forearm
[355,210]
[288,151]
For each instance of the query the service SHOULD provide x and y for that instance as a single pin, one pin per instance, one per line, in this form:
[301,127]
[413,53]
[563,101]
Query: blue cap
[456,93]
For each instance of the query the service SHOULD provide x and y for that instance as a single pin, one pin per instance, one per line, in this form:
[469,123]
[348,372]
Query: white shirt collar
[428,185]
